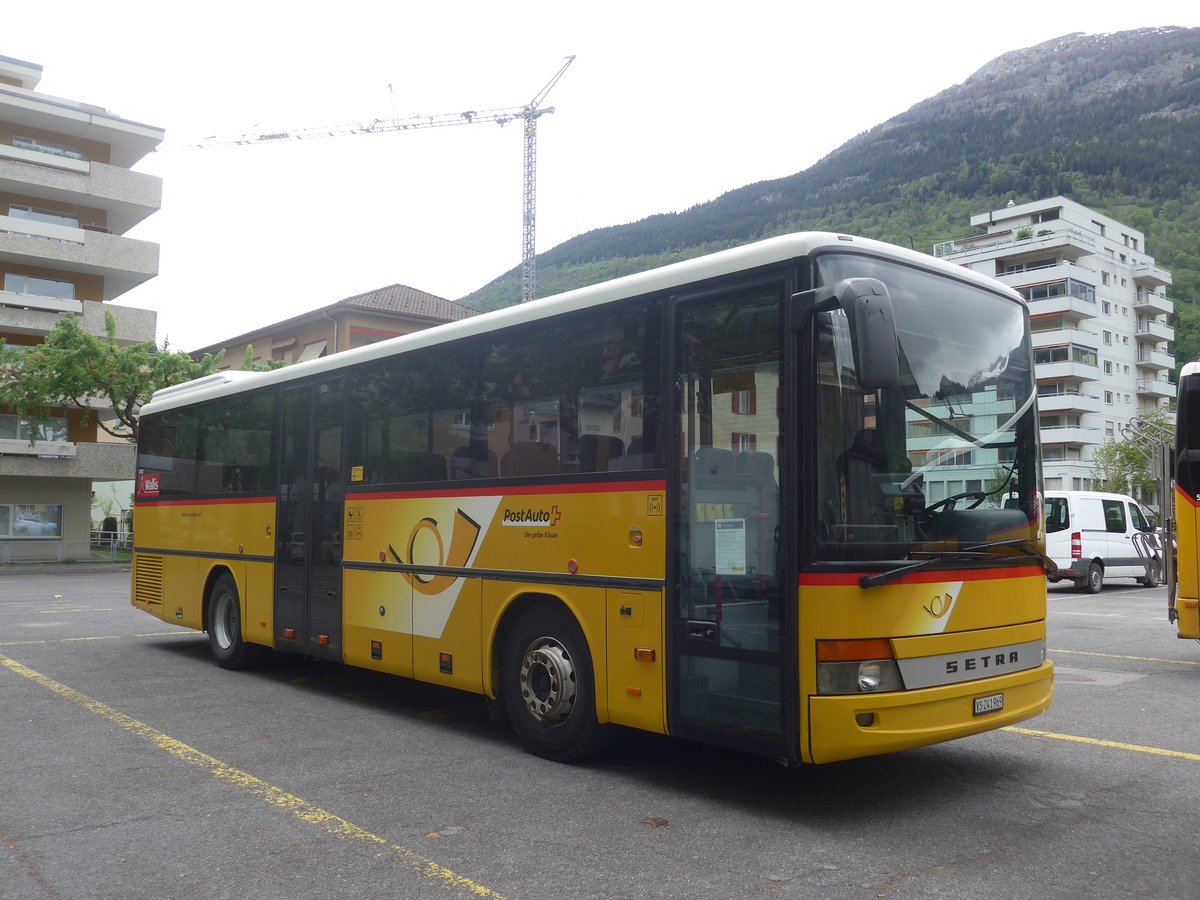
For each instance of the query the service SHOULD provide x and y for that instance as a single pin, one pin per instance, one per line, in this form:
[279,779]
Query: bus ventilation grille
[148,580]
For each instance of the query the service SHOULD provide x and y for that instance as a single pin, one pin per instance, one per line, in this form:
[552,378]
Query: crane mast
[529,114]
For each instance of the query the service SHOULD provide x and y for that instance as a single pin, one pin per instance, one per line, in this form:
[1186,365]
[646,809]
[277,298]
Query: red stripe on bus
[843,579]
[1180,492]
[208,501]
[602,487]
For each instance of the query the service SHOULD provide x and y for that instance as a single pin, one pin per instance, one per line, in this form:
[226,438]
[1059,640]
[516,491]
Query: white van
[1089,535]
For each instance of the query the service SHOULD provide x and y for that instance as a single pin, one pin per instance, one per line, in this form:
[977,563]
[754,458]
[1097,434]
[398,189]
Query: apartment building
[376,315]
[1099,312]
[67,199]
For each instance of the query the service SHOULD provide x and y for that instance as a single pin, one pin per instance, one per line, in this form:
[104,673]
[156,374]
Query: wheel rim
[548,682]
[224,619]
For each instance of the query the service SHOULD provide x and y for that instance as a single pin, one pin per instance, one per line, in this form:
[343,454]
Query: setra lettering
[987,661]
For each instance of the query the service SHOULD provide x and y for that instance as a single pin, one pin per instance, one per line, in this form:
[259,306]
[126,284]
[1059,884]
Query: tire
[548,686]
[1093,581]
[224,626]
[1153,577]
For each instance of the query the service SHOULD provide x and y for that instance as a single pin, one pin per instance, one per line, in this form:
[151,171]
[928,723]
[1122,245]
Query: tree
[1124,466]
[72,367]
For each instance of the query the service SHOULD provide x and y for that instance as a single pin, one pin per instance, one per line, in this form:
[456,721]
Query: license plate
[990,704]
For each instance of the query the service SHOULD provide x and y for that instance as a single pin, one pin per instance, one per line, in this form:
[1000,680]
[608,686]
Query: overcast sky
[667,105]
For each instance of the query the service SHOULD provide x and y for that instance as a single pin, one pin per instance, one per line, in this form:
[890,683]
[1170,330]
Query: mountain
[1111,121]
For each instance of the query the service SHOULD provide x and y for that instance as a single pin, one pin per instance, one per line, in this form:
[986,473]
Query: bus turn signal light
[644,654]
[852,651]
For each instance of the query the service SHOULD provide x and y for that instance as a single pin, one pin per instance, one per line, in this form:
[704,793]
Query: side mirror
[868,306]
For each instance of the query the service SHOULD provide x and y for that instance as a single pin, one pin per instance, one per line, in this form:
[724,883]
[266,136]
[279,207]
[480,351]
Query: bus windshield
[944,460]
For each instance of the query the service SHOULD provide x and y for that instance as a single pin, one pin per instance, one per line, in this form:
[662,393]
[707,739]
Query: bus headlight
[856,667]
[867,676]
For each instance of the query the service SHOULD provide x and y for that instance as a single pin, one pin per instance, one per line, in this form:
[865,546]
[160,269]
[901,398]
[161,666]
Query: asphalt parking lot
[134,767]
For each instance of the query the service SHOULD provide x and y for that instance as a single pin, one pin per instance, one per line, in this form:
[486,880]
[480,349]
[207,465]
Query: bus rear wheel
[224,628]
[548,686]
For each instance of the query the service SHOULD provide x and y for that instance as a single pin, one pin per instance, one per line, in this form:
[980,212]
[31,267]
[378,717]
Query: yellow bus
[783,498]
[1183,599]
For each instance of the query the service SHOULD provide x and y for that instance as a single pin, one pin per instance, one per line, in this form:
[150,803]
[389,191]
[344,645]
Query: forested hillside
[1111,121]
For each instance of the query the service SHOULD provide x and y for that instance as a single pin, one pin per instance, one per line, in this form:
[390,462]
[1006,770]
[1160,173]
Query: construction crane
[528,114]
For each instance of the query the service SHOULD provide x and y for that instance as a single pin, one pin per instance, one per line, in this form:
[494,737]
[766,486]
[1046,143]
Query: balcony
[95,462]
[1061,436]
[122,262]
[127,141]
[31,315]
[1070,243]
[17,300]
[1066,305]
[127,197]
[1150,275]
[1148,303]
[1154,359]
[1156,388]
[1154,331]
[1068,402]
[1068,370]
[1058,336]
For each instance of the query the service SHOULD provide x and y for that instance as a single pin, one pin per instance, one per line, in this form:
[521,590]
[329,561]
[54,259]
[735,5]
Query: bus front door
[308,556]
[725,651]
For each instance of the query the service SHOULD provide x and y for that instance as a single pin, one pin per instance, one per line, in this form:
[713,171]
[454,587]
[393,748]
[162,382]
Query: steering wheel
[951,502]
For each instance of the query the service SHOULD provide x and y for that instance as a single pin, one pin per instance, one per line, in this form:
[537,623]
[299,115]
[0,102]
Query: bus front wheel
[548,686]
[224,628]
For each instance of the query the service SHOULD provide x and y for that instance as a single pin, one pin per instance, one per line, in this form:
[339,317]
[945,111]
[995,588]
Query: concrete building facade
[67,198]
[1099,315]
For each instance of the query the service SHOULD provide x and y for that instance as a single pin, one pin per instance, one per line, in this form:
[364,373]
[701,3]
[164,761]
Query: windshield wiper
[973,552]
[869,581]
[1027,546]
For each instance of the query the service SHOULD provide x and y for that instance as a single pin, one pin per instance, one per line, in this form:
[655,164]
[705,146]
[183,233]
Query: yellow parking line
[1174,662]
[301,809]
[99,637]
[1116,745]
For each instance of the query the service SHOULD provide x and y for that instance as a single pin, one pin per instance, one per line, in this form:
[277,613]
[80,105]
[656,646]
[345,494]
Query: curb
[62,568]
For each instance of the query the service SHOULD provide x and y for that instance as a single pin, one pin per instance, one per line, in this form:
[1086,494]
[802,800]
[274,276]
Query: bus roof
[725,262]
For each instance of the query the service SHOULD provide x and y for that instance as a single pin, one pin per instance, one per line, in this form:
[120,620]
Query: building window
[1105,307]
[1108,367]
[49,216]
[1104,278]
[30,520]
[39,287]
[744,402]
[1108,398]
[1108,337]
[19,428]
[1066,353]
[1067,286]
[743,441]
[47,147]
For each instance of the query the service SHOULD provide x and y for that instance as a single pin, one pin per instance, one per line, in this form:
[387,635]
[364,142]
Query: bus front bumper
[906,719]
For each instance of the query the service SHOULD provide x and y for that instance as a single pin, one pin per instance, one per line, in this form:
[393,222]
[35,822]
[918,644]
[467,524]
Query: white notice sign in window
[731,546]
